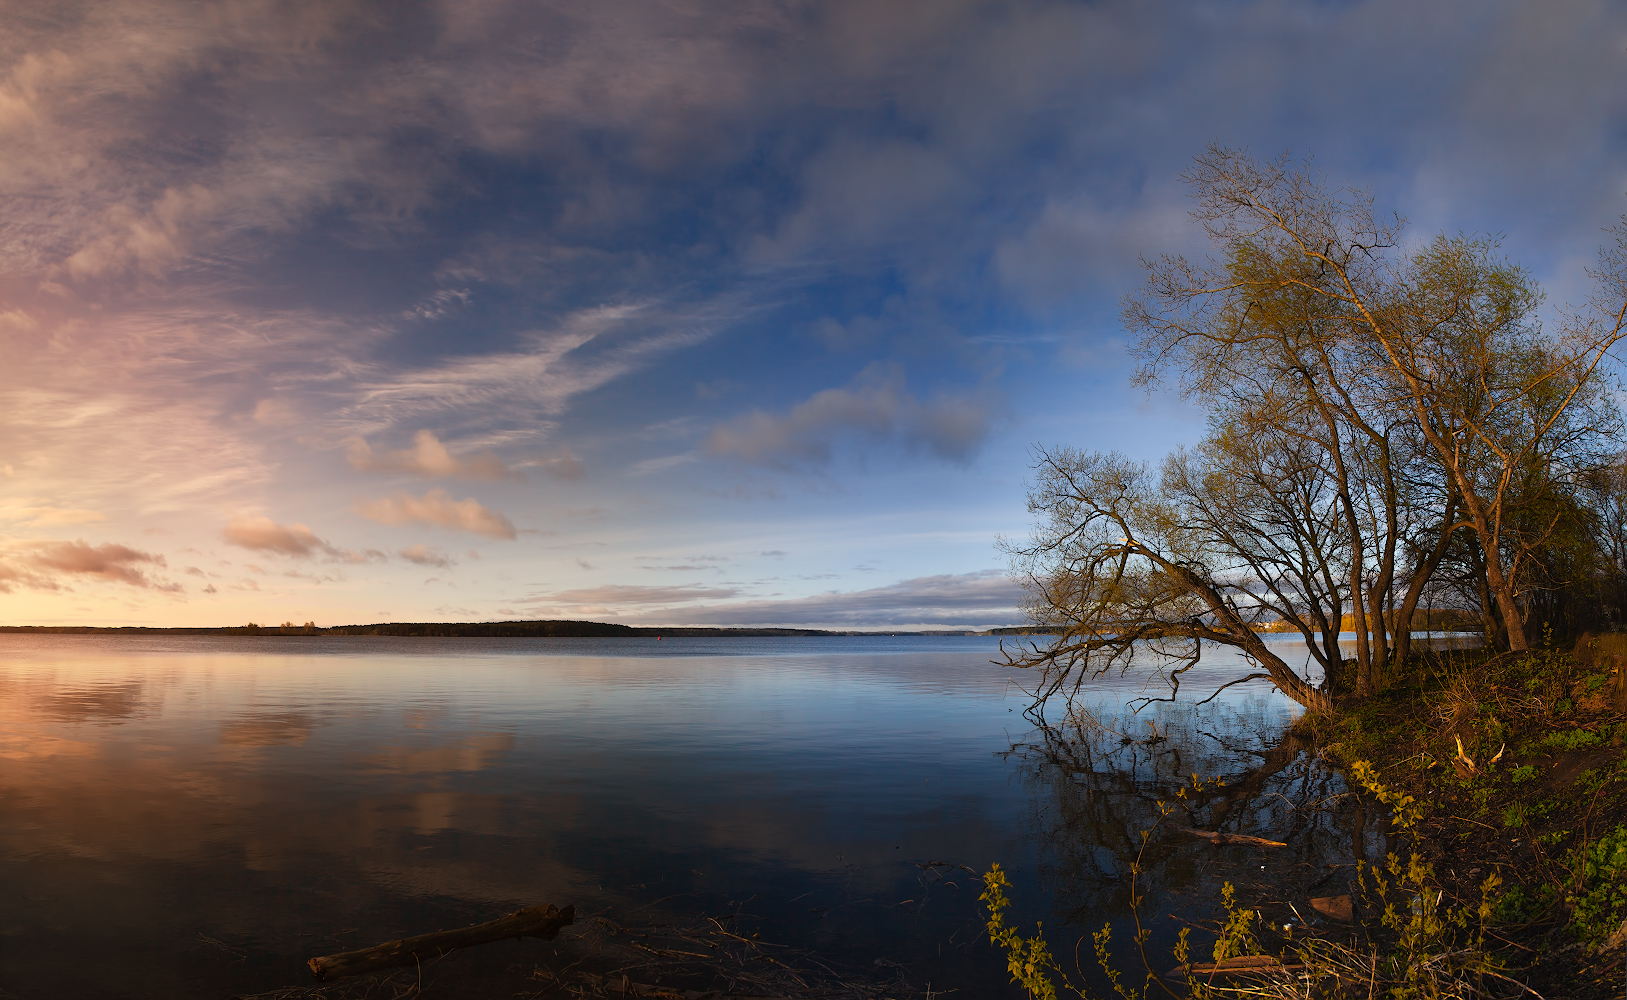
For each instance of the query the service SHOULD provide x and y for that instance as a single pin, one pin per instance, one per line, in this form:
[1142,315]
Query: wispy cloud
[259,533]
[49,565]
[875,405]
[48,516]
[437,507]
[587,349]
[424,555]
[428,457]
[561,464]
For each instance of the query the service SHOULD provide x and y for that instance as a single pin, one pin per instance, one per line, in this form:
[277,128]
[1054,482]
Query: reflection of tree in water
[1097,781]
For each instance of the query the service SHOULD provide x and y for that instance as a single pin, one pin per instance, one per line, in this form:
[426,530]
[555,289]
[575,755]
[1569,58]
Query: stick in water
[1231,838]
[535,921]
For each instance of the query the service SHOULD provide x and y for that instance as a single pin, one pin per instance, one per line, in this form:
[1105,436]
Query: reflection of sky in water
[296,796]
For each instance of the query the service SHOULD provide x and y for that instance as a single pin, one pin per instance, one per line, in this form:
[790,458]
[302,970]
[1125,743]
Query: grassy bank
[1515,764]
[1486,802]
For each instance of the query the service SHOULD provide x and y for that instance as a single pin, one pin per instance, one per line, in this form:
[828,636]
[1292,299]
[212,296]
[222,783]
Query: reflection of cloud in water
[475,753]
[423,718]
[105,702]
[116,816]
[280,729]
[28,746]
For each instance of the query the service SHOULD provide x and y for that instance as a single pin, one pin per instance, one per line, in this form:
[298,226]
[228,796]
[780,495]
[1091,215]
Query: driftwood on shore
[1231,838]
[1243,965]
[535,921]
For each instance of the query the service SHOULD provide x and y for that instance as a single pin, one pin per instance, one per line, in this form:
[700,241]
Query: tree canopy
[1392,428]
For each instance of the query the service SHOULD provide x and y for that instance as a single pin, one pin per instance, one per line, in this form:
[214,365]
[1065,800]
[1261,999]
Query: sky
[668,313]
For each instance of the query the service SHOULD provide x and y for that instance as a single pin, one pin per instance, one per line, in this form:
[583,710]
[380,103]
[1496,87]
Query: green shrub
[1237,933]
[1575,739]
[1601,903]
[1028,960]
[1520,905]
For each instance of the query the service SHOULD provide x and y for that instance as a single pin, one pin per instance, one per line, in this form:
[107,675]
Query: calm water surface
[197,816]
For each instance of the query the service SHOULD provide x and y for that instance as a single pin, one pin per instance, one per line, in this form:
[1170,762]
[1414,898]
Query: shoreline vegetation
[495,630]
[1488,796]
[1514,767]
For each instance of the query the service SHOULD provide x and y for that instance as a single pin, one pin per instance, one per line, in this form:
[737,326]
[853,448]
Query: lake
[196,816]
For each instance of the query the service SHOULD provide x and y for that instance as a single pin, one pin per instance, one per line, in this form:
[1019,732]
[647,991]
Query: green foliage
[1520,905]
[1575,739]
[1433,949]
[1601,903]
[1027,959]
[1488,702]
[1428,933]
[1101,941]
[1405,811]
[1237,933]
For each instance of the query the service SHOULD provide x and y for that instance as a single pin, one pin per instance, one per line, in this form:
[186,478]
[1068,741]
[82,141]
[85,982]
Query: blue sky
[662,312]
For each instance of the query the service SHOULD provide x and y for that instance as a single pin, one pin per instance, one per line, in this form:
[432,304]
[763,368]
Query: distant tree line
[1394,439]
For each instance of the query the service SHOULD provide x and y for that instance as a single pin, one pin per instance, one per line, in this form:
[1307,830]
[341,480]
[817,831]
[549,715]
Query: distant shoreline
[491,630]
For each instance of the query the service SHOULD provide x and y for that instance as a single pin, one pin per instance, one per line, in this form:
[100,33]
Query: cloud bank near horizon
[981,599]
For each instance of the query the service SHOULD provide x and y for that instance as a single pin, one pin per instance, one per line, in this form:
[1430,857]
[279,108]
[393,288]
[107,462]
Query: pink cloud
[438,507]
[42,565]
[262,534]
[428,457]
[423,555]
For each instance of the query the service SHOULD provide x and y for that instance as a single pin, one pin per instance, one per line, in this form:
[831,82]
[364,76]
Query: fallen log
[1231,838]
[1241,966]
[1341,908]
[535,921]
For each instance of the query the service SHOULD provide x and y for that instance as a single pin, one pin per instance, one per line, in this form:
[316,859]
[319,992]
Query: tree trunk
[1245,638]
[1502,588]
[1415,588]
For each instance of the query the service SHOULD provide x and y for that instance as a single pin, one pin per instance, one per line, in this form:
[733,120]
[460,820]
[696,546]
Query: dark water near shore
[197,816]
